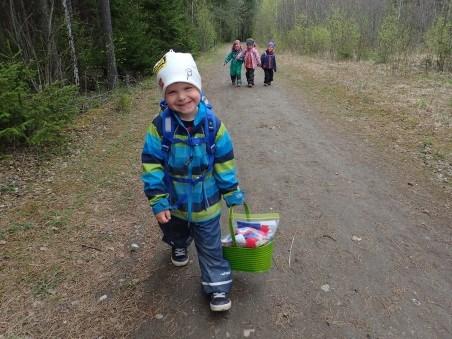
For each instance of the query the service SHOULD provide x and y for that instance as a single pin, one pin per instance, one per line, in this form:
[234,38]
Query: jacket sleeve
[225,171]
[262,58]
[274,63]
[153,171]
[228,58]
[258,59]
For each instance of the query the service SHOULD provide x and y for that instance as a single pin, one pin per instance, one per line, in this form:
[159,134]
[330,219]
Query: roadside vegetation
[407,114]
[67,265]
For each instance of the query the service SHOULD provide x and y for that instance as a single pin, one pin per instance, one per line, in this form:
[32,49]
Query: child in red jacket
[250,57]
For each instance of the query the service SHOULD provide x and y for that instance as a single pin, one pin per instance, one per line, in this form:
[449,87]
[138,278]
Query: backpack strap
[168,128]
[210,129]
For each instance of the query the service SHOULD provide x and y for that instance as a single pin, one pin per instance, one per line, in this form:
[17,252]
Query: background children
[268,61]
[235,69]
[188,164]
[250,56]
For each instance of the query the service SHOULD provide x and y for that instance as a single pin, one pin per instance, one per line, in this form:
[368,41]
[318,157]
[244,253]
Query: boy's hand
[163,217]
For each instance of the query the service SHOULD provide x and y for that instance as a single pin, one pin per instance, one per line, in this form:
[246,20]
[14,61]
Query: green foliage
[167,28]
[204,27]
[124,102]
[296,39]
[227,18]
[52,108]
[19,227]
[90,53]
[393,38]
[318,39]
[265,22]
[133,47]
[13,94]
[439,42]
[344,33]
[45,285]
[29,117]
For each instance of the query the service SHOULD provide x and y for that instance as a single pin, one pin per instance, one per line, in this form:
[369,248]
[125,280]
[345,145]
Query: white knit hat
[177,67]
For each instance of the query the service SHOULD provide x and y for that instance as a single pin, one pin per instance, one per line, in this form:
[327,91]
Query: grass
[45,285]
[19,227]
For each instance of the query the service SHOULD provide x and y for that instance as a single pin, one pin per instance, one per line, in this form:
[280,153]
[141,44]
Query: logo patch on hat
[189,73]
[159,65]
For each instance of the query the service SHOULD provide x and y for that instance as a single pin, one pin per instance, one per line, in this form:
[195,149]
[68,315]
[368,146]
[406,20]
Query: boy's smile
[183,98]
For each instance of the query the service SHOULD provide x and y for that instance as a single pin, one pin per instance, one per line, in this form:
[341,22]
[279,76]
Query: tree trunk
[22,38]
[67,16]
[112,72]
[52,67]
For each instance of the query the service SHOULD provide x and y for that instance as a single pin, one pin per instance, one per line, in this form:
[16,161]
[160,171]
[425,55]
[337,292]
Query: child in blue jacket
[268,62]
[188,165]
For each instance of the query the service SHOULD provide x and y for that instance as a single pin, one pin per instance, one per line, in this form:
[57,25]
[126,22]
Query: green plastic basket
[258,259]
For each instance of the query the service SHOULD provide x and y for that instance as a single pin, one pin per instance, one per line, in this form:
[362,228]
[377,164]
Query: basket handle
[231,213]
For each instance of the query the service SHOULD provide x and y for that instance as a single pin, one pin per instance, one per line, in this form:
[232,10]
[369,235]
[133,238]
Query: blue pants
[215,270]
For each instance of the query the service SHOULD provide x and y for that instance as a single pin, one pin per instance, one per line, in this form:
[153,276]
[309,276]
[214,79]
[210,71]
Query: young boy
[268,62]
[235,69]
[188,164]
[250,57]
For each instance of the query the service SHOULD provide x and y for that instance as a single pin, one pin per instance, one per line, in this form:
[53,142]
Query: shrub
[392,38]
[124,103]
[13,102]
[296,39]
[439,42]
[29,117]
[318,39]
[52,109]
[344,34]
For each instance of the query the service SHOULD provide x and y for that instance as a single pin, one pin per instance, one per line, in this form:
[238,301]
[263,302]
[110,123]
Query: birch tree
[67,16]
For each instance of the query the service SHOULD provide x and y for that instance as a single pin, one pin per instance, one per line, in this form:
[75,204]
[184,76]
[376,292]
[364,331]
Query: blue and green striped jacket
[199,202]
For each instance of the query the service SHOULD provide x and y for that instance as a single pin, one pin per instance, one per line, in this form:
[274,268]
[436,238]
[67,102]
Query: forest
[55,56]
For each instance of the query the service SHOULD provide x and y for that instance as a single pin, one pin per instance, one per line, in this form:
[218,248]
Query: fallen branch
[91,247]
[328,236]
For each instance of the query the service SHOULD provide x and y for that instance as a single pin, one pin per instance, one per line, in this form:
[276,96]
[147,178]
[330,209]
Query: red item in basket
[264,229]
[250,242]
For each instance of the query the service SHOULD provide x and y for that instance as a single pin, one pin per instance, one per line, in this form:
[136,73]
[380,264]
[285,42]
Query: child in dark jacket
[188,166]
[235,69]
[268,62]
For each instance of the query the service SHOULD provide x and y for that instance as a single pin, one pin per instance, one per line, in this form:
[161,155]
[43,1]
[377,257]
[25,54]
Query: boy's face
[183,98]
[270,49]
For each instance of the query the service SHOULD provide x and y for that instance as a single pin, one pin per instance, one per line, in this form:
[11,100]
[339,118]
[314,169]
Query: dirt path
[393,281]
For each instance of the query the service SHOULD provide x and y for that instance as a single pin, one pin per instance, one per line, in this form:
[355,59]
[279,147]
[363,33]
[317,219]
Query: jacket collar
[199,117]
